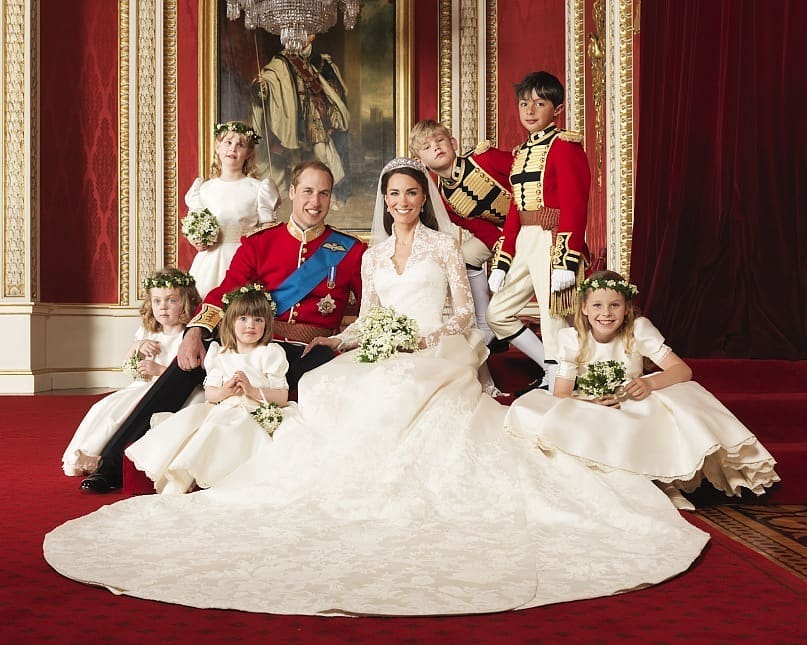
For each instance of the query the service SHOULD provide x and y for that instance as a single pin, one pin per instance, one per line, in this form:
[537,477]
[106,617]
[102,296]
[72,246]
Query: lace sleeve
[369,298]
[447,253]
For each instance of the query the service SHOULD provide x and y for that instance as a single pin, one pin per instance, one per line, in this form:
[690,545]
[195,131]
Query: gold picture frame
[356,213]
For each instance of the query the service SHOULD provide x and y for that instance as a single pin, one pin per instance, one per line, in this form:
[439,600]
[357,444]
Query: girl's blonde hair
[581,324]
[252,303]
[248,140]
[170,278]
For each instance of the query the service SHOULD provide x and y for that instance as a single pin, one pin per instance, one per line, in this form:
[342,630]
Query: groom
[310,270]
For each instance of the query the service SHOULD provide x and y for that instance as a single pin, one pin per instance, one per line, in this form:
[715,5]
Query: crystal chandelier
[294,20]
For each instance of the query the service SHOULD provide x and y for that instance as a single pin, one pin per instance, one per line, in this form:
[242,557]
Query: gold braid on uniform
[501,259]
[472,192]
[562,303]
[208,317]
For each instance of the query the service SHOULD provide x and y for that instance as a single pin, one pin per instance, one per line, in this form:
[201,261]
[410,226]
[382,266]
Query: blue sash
[313,271]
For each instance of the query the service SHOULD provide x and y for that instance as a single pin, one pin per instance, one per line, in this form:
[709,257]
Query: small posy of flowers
[385,332]
[129,367]
[601,378]
[268,416]
[227,298]
[200,227]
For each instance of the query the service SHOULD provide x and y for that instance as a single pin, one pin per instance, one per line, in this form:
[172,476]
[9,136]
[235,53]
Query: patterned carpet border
[777,532]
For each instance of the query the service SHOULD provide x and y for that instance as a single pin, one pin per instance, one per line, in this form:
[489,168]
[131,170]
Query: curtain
[719,249]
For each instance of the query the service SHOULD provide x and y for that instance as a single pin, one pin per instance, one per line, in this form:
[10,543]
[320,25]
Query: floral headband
[228,298]
[169,281]
[236,126]
[622,286]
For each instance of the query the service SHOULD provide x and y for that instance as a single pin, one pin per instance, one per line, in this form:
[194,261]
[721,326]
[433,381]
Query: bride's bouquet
[268,416]
[129,367]
[602,377]
[384,332]
[200,227]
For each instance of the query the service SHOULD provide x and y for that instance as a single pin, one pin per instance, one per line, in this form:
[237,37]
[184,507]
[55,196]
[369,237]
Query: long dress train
[394,491]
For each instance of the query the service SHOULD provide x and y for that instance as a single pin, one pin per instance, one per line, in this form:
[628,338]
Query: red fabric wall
[78,157]
[531,38]
[426,61]
[187,111]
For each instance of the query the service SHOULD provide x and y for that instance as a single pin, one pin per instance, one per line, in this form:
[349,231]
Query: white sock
[530,345]
[481,296]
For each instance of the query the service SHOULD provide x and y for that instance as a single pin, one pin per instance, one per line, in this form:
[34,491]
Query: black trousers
[171,390]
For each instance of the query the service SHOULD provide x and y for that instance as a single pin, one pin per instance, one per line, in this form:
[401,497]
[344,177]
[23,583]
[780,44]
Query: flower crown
[236,126]
[403,162]
[228,298]
[623,286]
[169,281]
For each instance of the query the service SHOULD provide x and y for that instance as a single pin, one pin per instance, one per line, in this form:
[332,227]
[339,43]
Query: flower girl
[170,302]
[245,388]
[236,201]
[662,425]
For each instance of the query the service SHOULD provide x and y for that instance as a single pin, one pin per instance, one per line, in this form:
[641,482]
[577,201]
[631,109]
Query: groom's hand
[191,352]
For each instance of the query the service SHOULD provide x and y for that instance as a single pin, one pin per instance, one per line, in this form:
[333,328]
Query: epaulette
[482,146]
[571,135]
[348,233]
[263,227]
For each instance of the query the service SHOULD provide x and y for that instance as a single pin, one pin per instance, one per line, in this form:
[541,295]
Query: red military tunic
[478,195]
[272,255]
[561,182]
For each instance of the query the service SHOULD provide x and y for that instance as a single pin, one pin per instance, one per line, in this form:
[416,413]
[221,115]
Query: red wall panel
[426,60]
[531,38]
[187,111]
[79,151]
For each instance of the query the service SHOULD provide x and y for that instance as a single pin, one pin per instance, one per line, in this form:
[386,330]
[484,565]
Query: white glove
[562,279]
[495,279]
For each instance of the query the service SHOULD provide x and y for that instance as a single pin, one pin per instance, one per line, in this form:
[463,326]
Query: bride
[397,489]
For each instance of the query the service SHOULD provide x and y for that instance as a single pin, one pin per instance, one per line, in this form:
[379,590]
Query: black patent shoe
[498,346]
[97,483]
[541,383]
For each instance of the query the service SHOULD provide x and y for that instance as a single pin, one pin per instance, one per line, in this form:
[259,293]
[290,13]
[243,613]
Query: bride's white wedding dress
[395,491]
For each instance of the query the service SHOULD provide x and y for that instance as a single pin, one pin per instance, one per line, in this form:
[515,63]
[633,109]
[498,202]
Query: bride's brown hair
[427,216]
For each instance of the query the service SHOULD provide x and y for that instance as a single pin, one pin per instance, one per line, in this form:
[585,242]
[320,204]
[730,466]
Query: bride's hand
[328,341]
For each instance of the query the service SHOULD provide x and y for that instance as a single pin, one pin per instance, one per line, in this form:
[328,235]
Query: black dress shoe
[497,346]
[538,384]
[97,483]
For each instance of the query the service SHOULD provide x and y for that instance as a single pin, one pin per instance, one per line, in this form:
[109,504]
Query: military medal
[331,283]
[326,305]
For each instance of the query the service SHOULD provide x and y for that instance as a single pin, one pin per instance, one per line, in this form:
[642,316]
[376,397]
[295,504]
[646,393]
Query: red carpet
[730,593]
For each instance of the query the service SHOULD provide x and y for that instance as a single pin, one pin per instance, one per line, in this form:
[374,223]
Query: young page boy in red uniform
[476,190]
[544,251]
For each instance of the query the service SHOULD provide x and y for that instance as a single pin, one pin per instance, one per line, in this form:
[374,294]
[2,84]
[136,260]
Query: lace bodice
[434,270]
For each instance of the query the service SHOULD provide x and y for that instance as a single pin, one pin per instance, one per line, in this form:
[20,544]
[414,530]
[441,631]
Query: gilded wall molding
[575,65]
[18,18]
[468,104]
[170,136]
[146,154]
[444,69]
[619,109]
[123,154]
[597,50]
[491,77]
